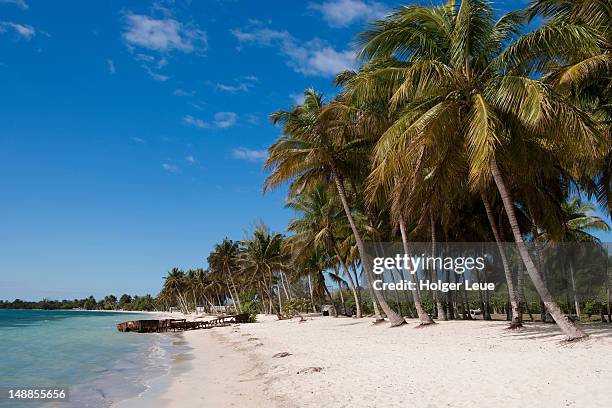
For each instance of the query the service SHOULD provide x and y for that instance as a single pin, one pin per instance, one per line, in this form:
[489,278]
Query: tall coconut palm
[309,150]
[464,83]
[262,259]
[175,284]
[322,218]
[224,259]
[584,75]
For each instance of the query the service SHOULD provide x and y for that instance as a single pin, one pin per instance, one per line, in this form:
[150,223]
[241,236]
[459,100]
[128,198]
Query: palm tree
[578,222]
[318,227]
[175,285]
[311,150]
[583,75]
[310,263]
[224,259]
[461,80]
[261,260]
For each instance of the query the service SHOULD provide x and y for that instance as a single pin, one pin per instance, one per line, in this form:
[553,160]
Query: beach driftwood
[164,325]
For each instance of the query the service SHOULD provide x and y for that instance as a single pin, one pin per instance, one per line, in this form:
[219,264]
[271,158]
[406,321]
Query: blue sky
[132,133]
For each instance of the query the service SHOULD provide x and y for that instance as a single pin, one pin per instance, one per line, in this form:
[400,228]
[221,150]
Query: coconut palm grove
[459,125]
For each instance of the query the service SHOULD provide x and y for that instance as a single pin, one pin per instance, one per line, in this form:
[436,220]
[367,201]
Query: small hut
[329,310]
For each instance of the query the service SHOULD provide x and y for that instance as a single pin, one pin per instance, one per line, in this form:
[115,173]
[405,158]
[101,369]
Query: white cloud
[182,92]
[232,88]
[297,98]
[23,30]
[248,154]
[155,75]
[163,35]
[170,168]
[199,123]
[19,3]
[242,84]
[263,36]
[111,66]
[190,159]
[341,13]
[138,139]
[252,119]
[162,62]
[199,106]
[144,58]
[312,58]
[222,120]
[225,119]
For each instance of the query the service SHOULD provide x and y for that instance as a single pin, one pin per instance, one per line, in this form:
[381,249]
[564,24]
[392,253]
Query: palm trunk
[234,286]
[326,289]
[358,312]
[377,314]
[280,303]
[195,301]
[567,326]
[342,298]
[232,297]
[520,282]
[416,294]
[434,272]
[394,318]
[576,303]
[282,279]
[516,315]
[314,309]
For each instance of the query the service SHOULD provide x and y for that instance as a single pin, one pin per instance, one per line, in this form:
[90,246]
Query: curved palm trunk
[351,283]
[234,286]
[568,327]
[282,279]
[416,294]
[326,289]
[516,314]
[394,318]
[576,303]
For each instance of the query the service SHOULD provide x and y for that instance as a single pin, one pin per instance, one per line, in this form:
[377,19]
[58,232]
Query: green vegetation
[126,302]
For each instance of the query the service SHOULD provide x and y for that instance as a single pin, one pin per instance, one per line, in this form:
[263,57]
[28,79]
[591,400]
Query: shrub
[252,308]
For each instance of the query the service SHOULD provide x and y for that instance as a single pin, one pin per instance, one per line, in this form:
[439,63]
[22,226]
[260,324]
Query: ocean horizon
[83,352]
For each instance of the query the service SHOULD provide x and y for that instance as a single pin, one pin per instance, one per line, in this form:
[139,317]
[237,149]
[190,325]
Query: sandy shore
[347,362]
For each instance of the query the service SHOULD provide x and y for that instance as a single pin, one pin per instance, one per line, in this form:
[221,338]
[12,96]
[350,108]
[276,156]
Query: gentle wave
[81,350]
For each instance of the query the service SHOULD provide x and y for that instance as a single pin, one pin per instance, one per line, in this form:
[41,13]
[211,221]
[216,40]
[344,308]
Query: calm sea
[81,350]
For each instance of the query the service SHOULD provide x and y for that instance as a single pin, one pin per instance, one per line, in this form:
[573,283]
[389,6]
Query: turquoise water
[80,350]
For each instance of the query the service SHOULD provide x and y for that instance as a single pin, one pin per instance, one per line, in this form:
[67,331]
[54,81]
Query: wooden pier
[165,325]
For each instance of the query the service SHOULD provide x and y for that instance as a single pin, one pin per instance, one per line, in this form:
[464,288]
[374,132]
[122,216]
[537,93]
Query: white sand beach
[344,362]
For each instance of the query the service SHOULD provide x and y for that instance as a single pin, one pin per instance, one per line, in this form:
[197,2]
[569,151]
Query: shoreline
[350,362]
[214,373]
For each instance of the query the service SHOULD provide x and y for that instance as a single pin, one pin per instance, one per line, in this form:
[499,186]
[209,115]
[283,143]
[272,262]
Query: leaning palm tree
[176,286]
[464,80]
[310,150]
[318,226]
